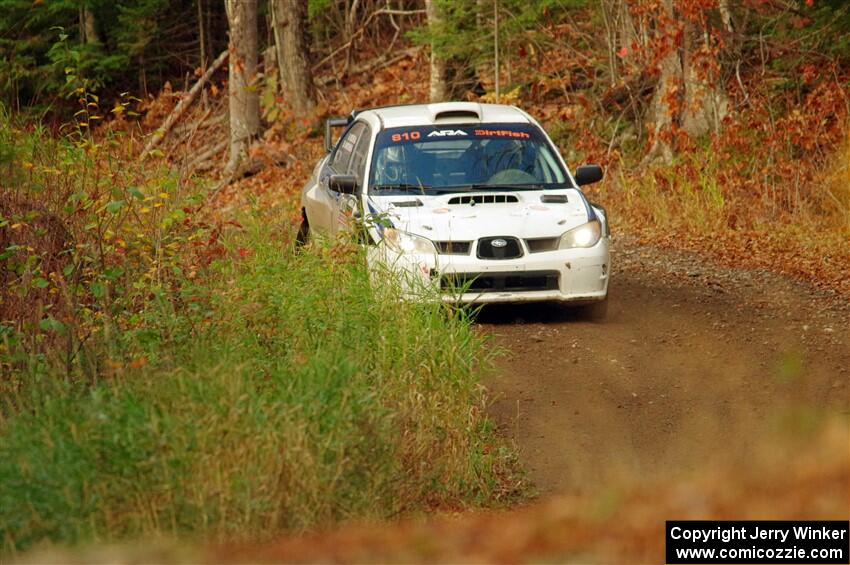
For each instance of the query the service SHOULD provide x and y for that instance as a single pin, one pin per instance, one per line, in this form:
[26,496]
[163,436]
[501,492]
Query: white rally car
[471,199]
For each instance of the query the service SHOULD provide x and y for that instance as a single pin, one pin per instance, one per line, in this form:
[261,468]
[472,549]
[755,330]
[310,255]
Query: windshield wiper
[499,186]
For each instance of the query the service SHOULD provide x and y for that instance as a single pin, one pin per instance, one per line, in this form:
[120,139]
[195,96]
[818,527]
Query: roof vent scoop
[455,112]
[452,114]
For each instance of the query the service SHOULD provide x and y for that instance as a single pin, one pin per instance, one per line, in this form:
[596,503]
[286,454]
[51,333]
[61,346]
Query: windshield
[464,157]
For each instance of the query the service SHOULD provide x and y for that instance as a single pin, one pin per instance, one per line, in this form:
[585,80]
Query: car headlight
[585,235]
[404,242]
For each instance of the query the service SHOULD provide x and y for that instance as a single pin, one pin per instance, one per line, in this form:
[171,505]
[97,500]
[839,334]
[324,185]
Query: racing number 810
[406,136]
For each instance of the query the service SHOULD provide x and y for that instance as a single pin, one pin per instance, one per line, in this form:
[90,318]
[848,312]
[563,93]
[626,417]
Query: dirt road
[696,366]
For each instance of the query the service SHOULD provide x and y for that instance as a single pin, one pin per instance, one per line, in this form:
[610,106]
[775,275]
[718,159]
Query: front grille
[474,199]
[453,247]
[543,244]
[510,250]
[522,281]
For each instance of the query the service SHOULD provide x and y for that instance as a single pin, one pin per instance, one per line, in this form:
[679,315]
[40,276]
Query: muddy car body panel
[472,199]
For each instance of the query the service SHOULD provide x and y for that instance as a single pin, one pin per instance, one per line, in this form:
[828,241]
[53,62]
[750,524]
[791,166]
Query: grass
[304,399]
[700,194]
[664,197]
[209,381]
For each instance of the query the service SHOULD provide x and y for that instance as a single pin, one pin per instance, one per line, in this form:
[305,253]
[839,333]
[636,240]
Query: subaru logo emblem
[499,243]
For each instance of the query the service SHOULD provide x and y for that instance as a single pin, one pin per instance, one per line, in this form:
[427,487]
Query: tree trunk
[688,98]
[726,15]
[202,48]
[667,99]
[626,31]
[88,24]
[202,41]
[289,20]
[609,10]
[244,103]
[621,34]
[705,101]
[497,71]
[439,89]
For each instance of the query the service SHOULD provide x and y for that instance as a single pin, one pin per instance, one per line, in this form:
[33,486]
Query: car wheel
[303,235]
[596,311]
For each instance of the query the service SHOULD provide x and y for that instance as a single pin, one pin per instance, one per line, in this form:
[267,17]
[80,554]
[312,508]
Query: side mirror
[344,184]
[588,174]
[329,126]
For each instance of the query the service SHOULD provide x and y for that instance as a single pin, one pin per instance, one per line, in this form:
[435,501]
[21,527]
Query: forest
[173,365]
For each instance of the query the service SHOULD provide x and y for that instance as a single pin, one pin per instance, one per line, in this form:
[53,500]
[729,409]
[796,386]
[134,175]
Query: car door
[349,205]
[315,199]
[321,202]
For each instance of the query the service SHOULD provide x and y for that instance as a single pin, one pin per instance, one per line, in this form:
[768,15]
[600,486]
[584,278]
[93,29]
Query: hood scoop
[554,199]
[474,199]
[408,203]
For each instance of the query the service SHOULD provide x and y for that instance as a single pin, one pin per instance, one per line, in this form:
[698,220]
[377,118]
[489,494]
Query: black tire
[303,235]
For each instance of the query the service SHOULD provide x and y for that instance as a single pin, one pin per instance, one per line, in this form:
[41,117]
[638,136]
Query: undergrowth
[206,379]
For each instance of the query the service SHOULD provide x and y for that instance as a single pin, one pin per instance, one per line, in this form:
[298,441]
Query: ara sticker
[446,133]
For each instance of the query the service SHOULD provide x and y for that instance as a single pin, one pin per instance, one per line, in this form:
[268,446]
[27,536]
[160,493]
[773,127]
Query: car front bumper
[568,275]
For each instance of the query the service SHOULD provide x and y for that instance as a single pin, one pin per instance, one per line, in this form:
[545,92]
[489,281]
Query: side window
[345,148]
[357,166]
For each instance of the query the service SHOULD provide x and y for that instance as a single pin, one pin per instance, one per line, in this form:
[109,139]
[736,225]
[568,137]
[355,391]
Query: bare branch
[184,103]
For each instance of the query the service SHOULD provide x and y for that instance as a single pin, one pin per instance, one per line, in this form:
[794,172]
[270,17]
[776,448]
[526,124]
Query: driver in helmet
[390,165]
